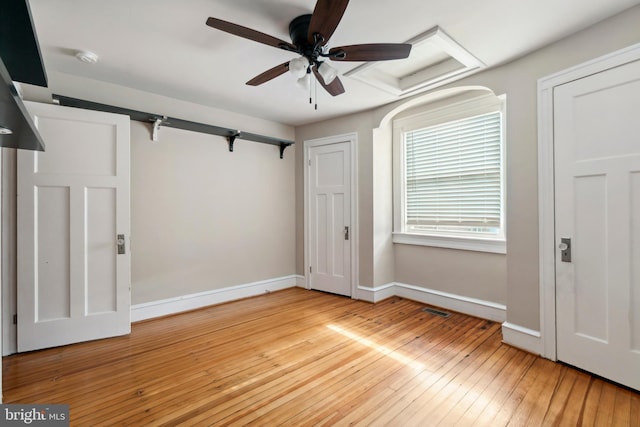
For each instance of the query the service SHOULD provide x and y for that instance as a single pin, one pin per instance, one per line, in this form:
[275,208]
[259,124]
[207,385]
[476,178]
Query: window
[449,188]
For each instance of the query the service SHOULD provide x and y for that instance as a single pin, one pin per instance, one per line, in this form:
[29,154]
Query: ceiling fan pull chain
[315,91]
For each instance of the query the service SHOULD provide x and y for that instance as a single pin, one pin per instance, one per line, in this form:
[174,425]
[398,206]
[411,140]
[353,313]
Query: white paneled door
[73,228]
[597,205]
[330,218]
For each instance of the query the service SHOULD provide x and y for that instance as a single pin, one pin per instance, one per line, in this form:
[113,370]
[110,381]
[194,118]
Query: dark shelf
[14,116]
[19,46]
[158,120]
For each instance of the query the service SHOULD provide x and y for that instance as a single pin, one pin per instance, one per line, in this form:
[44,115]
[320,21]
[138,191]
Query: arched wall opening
[433,269]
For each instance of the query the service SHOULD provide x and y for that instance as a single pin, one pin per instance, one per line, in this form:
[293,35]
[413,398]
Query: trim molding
[301,281]
[512,334]
[521,337]
[179,304]
[376,294]
[452,242]
[471,306]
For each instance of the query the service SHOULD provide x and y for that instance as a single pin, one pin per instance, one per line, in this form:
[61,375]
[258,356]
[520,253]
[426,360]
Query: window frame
[457,110]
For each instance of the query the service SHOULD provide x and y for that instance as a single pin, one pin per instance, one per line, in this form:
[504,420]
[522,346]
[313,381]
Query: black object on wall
[19,46]
[17,130]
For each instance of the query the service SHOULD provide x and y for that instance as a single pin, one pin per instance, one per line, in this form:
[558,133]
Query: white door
[73,203]
[330,218]
[597,204]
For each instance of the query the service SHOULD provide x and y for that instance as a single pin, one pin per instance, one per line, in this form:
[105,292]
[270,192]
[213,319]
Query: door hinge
[15,319]
[310,270]
[309,162]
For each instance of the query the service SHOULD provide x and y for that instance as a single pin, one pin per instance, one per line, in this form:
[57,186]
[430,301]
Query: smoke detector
[87,56]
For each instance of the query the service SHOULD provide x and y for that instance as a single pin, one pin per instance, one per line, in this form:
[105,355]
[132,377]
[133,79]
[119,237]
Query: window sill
[450,242]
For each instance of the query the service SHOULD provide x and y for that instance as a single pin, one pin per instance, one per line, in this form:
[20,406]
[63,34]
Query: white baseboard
[376,294]
[168,306]
[471,306]
[301,281]
[521,337]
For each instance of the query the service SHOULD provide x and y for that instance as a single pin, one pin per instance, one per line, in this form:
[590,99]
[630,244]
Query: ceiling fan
[309,36]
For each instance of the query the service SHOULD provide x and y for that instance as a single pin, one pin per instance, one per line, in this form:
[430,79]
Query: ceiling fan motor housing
[299,31]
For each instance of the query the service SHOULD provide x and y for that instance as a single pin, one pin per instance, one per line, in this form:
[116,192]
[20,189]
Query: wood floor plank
[299,358]
[328,372]
[390,386]
[426,408]
[388,358]
[489,401]
[590,403]
[572,386]
[635,408]
[469,395]
[532,408]
[604,415]
[437,364]
[270,378]
[622,408]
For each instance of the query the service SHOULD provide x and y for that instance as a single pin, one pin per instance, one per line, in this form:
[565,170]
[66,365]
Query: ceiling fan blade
[248,33]
[371,52]
[326,17]
[269,74]
[335,88]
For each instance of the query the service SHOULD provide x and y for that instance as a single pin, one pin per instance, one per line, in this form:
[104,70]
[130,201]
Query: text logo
[34,415]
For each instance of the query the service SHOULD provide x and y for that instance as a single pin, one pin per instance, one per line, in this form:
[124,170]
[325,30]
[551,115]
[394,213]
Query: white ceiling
[164,46]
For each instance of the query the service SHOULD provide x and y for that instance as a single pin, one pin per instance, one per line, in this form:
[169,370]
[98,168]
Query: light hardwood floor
[300,357]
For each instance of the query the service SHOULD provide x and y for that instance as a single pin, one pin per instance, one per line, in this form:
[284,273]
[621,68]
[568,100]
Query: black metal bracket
[283,146]
[231,139]
[158,120]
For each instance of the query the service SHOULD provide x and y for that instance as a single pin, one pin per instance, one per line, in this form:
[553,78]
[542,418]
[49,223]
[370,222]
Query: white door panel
[73,201]
[597,203]
[330,217]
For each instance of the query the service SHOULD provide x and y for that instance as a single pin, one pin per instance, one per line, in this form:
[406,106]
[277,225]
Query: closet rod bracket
[232,138]
[156,127]
[283,146]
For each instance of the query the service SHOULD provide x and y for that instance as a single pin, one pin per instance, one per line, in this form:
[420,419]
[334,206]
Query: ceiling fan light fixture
[304,82]
[298,66]
[327,72]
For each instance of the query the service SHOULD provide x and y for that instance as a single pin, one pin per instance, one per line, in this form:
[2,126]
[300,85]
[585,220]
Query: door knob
[565,249]
[120,242]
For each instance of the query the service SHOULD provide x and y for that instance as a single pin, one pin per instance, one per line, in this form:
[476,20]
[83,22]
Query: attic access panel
[436,59]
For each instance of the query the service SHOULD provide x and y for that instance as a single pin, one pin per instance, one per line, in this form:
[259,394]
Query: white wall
[204,218]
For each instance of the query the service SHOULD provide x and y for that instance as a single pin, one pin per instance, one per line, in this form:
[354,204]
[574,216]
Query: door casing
[352,140]
[546,185]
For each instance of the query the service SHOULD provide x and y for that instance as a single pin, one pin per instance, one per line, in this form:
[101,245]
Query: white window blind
[453,176]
